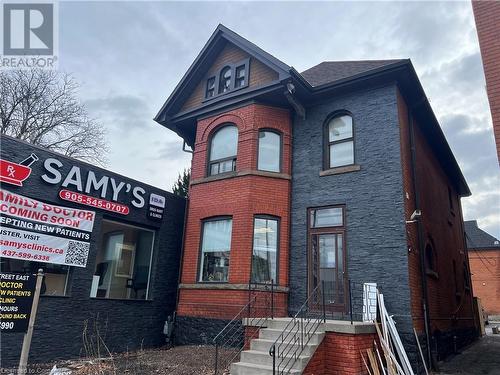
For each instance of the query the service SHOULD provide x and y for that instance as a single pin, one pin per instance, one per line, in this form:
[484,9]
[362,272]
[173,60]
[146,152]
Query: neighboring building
[118,273]
[304,178]
[487,15]
[484,261]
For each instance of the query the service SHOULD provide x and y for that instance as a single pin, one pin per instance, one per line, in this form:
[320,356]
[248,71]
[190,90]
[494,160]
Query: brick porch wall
[340,354]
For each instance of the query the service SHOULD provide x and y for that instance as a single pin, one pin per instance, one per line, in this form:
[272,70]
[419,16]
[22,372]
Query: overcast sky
[129,56]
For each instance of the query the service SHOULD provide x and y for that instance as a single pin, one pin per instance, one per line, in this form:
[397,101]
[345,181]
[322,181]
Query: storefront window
[55,280]
[265,246]
[123,262]
[215,248]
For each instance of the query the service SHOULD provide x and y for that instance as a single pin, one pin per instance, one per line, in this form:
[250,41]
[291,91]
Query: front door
[327,264]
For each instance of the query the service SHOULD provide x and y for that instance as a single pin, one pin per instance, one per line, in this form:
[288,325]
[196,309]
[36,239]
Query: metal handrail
[232,336]
[289,345]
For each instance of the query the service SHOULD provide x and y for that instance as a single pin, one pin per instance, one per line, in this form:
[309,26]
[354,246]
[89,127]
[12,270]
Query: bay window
[269,154]
[215,250]
[265,249]
[223,149]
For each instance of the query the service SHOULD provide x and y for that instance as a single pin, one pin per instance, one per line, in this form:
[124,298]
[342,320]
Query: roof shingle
[331,71]
[478,238]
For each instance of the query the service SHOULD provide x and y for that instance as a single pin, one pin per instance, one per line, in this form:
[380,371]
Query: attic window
[225,80]
[239,80]
[210,87]
[230,78]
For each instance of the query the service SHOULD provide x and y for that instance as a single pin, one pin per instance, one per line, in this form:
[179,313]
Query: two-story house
[339,174]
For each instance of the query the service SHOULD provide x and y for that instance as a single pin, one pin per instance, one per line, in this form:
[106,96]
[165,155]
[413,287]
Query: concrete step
[263,358]
[243,368]
[263,345]
[273,334]
[282,323]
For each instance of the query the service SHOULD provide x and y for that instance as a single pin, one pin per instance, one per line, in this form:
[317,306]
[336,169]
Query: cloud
[121,111]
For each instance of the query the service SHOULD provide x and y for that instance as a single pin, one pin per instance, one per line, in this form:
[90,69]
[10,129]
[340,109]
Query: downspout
[181,260]
[423,275]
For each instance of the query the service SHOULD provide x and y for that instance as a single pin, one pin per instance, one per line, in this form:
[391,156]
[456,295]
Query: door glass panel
[327,250]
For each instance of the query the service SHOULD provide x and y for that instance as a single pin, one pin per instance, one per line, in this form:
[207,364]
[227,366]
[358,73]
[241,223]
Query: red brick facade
[241,195]
[340,354]
[485,269]
[487,15]
[448,281]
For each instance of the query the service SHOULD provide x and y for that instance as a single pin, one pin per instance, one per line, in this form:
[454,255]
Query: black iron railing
[230,342]
[290,344]
[351,301]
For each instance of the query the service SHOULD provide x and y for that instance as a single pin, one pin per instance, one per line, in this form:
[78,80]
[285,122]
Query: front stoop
[257,361]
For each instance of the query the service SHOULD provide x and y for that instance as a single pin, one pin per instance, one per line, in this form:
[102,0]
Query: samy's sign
[40,232]
[83,186]
[88,184]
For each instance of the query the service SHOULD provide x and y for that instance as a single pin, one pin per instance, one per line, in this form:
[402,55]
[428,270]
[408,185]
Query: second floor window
[340,145]
[223,149]
[269,151]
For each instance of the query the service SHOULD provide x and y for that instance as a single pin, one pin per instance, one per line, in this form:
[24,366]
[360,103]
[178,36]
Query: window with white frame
[223,150]
[269,154]
[215,250]
[265,249]
[340,142]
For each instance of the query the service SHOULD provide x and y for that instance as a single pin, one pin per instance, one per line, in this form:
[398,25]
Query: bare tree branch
[41,107]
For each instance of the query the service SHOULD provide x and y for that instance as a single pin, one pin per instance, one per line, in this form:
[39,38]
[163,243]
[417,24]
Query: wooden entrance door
[327,267]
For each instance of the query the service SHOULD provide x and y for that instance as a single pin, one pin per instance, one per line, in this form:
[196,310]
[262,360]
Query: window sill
[224,176]
[432,274]
[121,299]
[227,286]
[340,170]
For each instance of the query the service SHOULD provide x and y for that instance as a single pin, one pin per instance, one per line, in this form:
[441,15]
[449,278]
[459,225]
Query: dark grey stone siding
[373,196]
[123,324]
[202,331]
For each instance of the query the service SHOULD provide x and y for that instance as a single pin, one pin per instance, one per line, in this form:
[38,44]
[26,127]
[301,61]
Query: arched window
[340,142]
[223,149]
[225,80]
[269,156]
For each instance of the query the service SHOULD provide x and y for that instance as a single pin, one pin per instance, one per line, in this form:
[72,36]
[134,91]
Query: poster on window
[35,231]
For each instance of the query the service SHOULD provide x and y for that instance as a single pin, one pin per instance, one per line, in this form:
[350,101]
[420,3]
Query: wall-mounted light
[414,216]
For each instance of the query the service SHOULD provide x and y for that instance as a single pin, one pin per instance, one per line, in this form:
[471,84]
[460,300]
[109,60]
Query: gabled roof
[219,38]
[318,83]
[328,72]
[478,238]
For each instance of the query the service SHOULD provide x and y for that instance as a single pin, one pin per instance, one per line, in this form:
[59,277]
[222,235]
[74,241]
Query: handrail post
[272,299]
[216,356]
[350,300]
[249,296]
[323,298]
[274,358]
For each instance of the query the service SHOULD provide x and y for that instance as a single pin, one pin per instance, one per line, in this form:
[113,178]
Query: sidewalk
[481,358]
